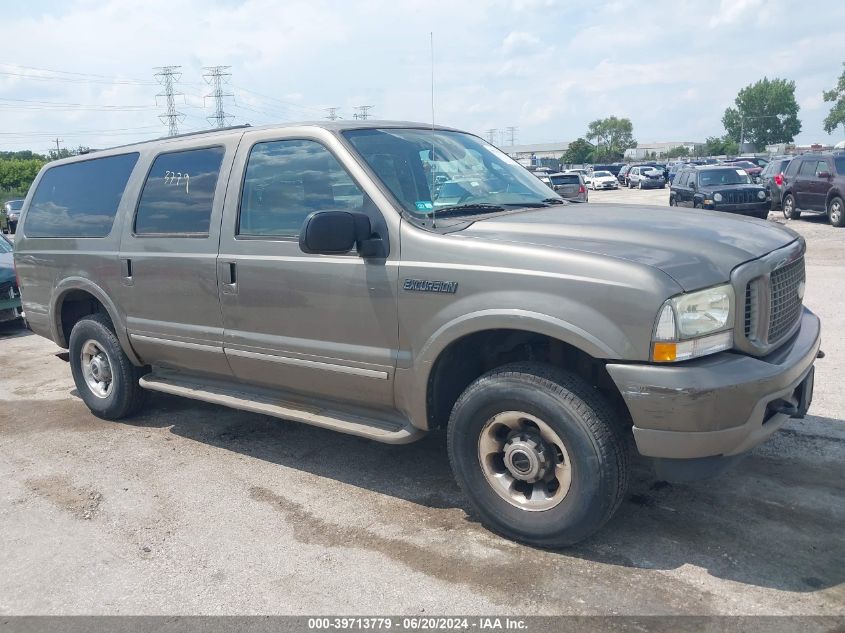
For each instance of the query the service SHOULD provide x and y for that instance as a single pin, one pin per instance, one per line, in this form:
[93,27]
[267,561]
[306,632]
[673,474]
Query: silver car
[570,185]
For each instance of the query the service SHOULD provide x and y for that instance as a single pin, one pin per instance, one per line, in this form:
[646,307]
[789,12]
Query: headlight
[761,195]
[717,197]
[694,324]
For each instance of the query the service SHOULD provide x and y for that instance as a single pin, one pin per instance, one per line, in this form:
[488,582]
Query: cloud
[519,43]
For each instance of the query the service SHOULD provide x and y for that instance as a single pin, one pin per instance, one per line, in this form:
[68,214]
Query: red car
[753,170]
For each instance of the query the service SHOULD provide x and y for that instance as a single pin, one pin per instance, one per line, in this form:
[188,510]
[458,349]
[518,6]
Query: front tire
[105,378]
[836,212]
[789,210]
[539,453]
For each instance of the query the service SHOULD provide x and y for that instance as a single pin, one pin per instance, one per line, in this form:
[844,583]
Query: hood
[696,248]
[7,267]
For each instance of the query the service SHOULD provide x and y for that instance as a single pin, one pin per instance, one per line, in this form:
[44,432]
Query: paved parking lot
[192,508]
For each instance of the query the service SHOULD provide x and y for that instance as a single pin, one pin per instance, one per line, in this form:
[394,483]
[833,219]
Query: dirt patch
[81,503]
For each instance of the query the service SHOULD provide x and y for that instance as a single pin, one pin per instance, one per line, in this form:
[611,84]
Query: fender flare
[416,378]
[68,285]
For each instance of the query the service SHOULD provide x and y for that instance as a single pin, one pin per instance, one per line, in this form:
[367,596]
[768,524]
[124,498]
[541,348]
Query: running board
[381,430]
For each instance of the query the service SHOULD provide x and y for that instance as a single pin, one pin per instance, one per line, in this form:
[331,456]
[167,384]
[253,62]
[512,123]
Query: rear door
[168,256]
[801,188]
[820,184]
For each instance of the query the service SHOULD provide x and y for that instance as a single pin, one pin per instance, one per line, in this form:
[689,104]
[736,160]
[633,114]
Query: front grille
[785,301]
[739,197]
[750,309]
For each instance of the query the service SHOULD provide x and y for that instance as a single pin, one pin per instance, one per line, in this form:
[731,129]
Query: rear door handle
[229,277]
[126,271]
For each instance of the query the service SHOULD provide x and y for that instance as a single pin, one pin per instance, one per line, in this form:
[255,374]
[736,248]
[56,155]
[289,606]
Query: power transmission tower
[214,77]
[333,115]
[363,112]
[491,135]
[512,134]
[167,76]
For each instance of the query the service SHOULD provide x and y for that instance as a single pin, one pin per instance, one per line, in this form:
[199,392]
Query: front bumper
[746,208]
[721,405]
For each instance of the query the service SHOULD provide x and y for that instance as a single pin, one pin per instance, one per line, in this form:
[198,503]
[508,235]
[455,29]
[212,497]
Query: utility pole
[363,112]
[167,76]
[491,135]
[58,140]
[512,134]
[214,77]
[333,115]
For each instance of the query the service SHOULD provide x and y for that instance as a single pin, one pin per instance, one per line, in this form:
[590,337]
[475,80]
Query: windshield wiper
[464,209]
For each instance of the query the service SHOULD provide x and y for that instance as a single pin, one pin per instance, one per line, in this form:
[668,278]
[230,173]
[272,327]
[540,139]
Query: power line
[363,112]
[214,77]
[167,76]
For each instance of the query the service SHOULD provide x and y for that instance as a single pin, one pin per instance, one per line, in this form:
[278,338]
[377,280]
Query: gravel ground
[196,509]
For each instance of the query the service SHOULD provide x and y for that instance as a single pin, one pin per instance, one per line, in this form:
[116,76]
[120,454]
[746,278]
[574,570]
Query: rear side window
[285,181]
[179,193]
[839,161]
[808,167]
[793,168]
[79,199]
[682,178]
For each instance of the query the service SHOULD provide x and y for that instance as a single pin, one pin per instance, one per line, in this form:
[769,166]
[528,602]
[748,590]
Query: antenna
[431,191]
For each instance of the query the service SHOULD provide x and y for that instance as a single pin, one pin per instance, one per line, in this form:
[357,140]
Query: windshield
[430,170]
[710,177]
[14,205]
[602,174]
[566,179]
[5,247]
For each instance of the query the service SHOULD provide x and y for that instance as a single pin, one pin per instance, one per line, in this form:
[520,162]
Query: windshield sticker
[424,205]
[741,172]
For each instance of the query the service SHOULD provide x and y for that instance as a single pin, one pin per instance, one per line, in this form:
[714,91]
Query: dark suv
[772,178]
[721,188]
[815,183]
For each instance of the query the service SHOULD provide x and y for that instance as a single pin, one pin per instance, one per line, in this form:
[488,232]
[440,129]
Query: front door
[324,325]
[820,185]
[168,256]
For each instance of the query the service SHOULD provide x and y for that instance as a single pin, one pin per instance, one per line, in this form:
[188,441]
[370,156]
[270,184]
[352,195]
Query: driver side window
[285,181]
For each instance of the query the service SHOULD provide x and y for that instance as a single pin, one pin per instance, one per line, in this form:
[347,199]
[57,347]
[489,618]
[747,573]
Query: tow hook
[820,354]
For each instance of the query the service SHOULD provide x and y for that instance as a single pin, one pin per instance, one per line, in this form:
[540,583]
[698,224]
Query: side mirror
[692,185]
[824,174]
[337,232]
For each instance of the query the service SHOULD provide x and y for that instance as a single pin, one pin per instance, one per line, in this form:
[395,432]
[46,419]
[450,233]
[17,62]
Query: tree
[836,116]
[677,152]
[718,146]
[578,152]
[56,154]
[611,136]
[766,113]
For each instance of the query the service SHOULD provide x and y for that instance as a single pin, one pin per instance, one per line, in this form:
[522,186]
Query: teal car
[10,296]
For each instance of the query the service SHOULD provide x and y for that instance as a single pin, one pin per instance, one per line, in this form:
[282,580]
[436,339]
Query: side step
[228,395]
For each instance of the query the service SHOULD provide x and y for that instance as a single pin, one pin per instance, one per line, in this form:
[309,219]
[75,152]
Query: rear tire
[789,210]
[836,212]
[545,417]
[105,378]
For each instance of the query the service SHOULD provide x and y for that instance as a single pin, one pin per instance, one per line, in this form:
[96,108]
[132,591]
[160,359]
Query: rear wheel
[836,212]
[105,378]
[539,453]
[789,210]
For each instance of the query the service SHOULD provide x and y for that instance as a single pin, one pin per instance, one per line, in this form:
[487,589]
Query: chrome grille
[785,302]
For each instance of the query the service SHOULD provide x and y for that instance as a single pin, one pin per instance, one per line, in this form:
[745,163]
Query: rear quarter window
[79,199]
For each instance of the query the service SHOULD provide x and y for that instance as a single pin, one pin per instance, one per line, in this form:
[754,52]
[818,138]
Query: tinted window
[808,167]
[822,167]
[566,179]
[682,178]
[179,193]
[839,161]
[714,177]
[287,180]
[793,168]
[14,205]
[79,199]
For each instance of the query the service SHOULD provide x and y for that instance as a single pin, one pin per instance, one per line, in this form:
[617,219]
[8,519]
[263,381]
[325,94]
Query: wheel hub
[527,457]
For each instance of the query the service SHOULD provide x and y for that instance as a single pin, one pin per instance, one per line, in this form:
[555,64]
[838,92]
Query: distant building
[647,150]
[546,154]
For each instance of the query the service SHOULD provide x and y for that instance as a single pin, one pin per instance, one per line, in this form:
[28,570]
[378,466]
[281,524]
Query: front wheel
[105,378]
[640,184]
[836,212]
[539,453]
[789,210]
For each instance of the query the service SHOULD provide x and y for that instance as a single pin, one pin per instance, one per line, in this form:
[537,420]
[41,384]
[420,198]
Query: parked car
[757,160]
[545,340]
[622,176]
[750,168]
[570,186]
[720,188]
[543,176]
[613,168]
[9,215]
[646,177]
[772,178]
[815,183]
[10,296]
[603,180]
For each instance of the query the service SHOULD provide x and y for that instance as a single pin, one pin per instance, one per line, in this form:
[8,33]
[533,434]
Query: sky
[83,71]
